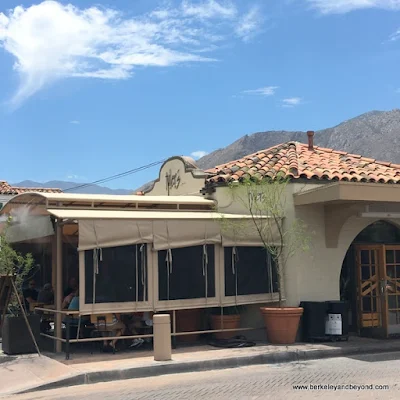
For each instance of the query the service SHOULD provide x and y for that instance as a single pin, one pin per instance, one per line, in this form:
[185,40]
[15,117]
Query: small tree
[16,265]
[265,201]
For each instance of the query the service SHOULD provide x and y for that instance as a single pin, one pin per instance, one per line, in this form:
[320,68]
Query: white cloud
[76,177]
[344,6]
[249,25]
[198,154]
[292,101]
[75,122]
[51,41]
[264,91]
[209,9]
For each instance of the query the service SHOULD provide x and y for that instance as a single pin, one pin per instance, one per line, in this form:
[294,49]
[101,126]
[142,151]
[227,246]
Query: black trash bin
[313,320]
[342,308]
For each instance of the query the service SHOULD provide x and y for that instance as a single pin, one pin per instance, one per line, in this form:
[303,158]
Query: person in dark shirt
[72,286]
[30,294]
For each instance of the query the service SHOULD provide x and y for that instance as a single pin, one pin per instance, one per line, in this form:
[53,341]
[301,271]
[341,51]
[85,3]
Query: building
[164,250]
[351,206]
[7,192]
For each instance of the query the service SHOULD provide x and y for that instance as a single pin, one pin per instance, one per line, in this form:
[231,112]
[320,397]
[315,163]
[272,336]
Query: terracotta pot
[281,323]
[229,322]
[188,321]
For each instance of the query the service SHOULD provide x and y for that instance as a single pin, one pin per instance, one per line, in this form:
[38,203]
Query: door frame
[381,330]
[394,264]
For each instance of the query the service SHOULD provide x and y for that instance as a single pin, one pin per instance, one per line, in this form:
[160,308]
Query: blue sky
[91,89]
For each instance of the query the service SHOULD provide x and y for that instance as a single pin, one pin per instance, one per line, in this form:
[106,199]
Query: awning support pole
[59,285]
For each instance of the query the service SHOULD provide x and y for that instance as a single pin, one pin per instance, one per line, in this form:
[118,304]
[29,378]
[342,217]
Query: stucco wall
[175,180]
[313,275]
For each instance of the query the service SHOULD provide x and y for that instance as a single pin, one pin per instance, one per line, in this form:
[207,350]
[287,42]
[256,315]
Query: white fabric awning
[79,214]
[173,234]
[109,228]
[96,233]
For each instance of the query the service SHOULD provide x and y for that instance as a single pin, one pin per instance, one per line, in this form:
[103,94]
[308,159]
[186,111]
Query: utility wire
[117,176]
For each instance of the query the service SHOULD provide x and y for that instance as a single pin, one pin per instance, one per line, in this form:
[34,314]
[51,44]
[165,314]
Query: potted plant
[225,318]
[189,320]
[15,268]
[265,201]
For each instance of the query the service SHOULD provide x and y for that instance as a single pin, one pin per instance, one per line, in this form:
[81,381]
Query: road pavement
[375,376]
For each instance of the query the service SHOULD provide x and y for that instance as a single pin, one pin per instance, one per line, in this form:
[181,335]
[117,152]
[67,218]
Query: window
[190,275]
[249,270]
[121,277]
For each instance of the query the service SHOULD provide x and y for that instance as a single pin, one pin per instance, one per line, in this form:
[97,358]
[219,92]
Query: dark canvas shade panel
[188,276]
[248,271]
[121,277]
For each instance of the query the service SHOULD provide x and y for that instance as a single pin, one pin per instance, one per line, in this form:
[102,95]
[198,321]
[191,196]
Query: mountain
[63,185]
[375,134]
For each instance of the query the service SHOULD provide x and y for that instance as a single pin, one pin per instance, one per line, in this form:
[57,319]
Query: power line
[117,176]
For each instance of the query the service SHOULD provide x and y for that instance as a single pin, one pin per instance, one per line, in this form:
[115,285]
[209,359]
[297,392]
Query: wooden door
[370,267]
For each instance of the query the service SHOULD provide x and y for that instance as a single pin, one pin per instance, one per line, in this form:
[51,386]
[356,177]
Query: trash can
[313,320]
[338,311]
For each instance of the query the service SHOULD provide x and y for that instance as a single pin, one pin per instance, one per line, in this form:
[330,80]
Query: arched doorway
[370,281]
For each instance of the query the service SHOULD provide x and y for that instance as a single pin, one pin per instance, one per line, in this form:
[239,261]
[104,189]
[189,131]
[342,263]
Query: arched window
[379,232]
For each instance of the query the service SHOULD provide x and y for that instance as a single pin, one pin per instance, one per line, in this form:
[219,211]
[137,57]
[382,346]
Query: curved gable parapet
[179,175]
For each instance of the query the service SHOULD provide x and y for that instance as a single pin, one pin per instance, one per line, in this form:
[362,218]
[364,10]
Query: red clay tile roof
[294,160]
[7,189]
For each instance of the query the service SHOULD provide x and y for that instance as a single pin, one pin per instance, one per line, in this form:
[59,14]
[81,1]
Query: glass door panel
[392,288]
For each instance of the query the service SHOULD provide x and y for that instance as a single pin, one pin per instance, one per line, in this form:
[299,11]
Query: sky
[92,89]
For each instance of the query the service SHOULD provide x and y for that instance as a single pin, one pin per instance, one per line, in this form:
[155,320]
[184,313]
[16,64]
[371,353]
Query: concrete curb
[173,367]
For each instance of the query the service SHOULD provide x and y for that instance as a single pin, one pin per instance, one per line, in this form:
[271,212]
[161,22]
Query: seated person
[67,300]
[116,327]
[74,306]
[30,294]
[72,286]
[135,323]
[46,295]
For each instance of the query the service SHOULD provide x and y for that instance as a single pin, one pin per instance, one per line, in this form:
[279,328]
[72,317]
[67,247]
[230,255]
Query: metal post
[174,329]
[59,285]
[162,337]
[67,336]
[54,262]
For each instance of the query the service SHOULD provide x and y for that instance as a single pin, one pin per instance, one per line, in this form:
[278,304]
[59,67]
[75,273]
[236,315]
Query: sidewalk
[31,372]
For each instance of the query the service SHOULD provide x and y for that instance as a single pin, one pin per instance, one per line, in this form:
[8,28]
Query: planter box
[16,336]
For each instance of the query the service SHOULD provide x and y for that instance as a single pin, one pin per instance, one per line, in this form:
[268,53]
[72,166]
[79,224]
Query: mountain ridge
[356,135]
[65,185]
[374,134]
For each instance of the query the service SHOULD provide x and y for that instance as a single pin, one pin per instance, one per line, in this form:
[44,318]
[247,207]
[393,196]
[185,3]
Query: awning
[79,214]
[109,228]
[345,192]
[45,201]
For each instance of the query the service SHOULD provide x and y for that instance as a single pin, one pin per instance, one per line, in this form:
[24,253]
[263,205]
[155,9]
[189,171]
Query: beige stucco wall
[313,275]
[184,182]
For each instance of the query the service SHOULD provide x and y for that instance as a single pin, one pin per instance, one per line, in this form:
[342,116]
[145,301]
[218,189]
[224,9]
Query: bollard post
[162,337]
